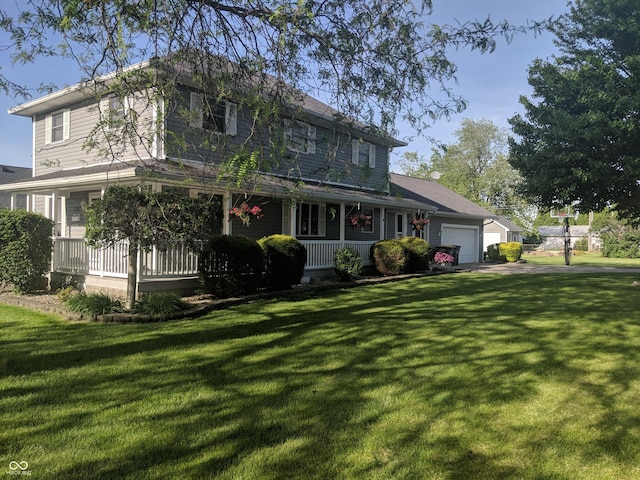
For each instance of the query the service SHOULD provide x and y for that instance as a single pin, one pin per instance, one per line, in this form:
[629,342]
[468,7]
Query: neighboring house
[455,221]
[500,230]
[300,202]
[553,237]
[9,174]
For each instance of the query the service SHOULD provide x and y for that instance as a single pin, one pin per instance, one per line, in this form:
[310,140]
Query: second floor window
[114,111]
[57,126]
[363,153]
[218,116]
[299,137]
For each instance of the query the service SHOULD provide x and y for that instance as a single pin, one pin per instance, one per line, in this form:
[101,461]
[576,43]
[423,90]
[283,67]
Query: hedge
[25,248]
[285,258]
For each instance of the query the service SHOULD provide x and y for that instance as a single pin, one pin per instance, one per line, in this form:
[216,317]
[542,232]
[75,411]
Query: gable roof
[448,202]
[508,224]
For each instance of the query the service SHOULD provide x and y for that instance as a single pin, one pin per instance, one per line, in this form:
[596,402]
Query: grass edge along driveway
[448,377]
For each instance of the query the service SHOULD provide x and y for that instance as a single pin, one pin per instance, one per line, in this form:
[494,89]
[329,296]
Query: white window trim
[196,101]
[355,152]
[322,220]
[311,137]
[48,126]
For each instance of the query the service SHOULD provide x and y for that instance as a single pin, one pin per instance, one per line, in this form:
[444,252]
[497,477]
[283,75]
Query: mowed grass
[452,377]
[584,259]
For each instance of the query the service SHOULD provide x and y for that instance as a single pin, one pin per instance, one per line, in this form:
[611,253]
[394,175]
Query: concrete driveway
[517,268]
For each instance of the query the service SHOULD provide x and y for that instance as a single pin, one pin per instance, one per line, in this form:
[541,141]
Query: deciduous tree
[579,140]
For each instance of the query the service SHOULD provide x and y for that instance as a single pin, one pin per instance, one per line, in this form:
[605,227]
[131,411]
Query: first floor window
[312,220]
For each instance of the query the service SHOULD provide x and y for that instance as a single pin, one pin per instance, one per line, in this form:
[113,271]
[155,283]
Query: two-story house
[324,173]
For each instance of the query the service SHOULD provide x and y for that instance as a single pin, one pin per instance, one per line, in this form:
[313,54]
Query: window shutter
[322,221]
[355,151]
[104,110]
[372,155]
[232,118]
[47,129]
[311,140]
[195,107]
[66,120]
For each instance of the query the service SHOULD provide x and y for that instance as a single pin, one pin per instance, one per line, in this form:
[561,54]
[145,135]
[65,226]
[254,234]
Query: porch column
[14,201]
[383,226]
[63,216]
[343,213]
[294,218]
[226,206]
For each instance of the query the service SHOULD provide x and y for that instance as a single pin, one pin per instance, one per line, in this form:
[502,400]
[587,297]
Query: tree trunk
[132,275]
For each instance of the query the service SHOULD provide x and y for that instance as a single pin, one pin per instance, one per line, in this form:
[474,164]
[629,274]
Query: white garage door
[466,237]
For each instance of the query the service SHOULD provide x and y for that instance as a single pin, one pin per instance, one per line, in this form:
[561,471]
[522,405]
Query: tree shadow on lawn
[413,383]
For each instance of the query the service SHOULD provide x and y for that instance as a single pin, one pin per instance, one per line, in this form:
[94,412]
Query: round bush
[418,251]
[347,263]
[511,251]
[390,257]
[230,265]
[285,258]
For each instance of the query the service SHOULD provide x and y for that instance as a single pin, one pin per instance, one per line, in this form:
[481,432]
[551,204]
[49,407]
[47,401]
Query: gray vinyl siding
[331,161]
[84,117]
[269,224]
[356,234]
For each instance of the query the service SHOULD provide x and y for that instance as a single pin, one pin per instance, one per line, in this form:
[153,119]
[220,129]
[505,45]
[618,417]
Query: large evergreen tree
[579,141]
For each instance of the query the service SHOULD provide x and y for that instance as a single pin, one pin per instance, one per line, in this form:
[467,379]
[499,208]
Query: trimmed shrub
[511,251]
[25,248]
[93,304]
[284,259]
[161,303]
[231,265]
[390,257]
[419,252]
[493,253]
[347,263]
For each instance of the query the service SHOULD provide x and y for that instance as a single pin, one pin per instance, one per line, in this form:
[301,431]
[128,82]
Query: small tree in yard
[25,248]
[146,219]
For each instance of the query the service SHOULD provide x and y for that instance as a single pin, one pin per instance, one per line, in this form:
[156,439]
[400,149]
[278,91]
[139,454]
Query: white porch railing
[73,255]
[320,253]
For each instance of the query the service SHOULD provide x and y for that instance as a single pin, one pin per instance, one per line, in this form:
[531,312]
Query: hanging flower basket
[419,223]
[359,220]
[246,213]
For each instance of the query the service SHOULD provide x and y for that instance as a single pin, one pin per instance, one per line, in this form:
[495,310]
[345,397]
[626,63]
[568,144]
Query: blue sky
[491,83]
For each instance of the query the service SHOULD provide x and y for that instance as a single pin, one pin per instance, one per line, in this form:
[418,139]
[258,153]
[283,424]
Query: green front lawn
[451,377]
[585,259]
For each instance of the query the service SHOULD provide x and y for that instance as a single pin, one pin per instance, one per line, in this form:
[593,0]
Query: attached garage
[466,236]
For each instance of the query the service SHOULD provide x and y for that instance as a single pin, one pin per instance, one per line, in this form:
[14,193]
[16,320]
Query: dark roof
[174,171]
[508,224]
[9,174]
[428,191]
